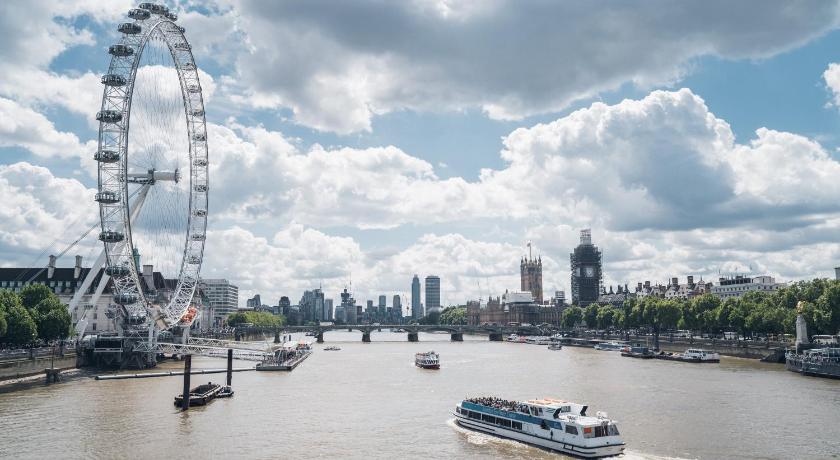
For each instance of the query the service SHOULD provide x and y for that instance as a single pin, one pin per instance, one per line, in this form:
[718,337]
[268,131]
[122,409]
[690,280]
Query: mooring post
[230,366]
[185,404]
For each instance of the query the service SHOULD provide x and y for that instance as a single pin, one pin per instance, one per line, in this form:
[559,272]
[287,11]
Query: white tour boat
[428,360]
[610,346]
[552,424]
[703,355]
[538,340]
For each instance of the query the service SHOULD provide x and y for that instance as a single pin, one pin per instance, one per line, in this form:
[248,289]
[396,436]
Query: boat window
[504,422]
[612,430]
[571,429]
[517,425]
[475,415]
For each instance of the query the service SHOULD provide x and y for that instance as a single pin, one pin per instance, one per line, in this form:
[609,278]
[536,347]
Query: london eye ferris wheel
[153,168]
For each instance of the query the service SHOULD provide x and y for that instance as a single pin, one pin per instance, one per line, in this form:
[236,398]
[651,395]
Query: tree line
[257,318]
[753,313]
[34,313]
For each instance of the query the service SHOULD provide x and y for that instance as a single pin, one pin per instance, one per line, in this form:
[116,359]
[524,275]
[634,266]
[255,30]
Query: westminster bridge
[456,332]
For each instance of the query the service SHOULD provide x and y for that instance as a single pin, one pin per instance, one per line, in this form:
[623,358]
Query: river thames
[370,401]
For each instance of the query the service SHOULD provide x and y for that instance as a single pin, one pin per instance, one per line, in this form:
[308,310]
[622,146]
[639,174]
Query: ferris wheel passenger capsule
[181,29]
[106,156]
[120,50]
[109,116]
[200,212]
[200,188]
[107,197]
[194,89]
[129,28]
[171,16]
[197,237]
[188,66]
[194,260]
[125,298]
[182,46]
[109,236]
[146,6]
[200,162]
[198,113]
[200,137]
[113,80]
[138,14]
[117,271]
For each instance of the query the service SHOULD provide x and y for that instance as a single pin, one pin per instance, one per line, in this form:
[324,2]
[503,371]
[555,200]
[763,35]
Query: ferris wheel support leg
[80,291]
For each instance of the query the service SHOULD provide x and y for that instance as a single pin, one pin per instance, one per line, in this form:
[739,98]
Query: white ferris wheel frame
[113,175]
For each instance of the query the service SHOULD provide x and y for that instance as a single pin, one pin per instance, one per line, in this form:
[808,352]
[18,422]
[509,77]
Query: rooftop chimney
[51,267]
[77,270]
[148,277]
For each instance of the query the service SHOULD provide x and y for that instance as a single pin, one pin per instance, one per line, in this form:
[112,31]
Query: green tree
[33,294]
[605,317]
[21,326]
[590,315]
[698,313]
[257,318]
[572,316]
[432,318]
[454,315]
[51,318]
[8,300]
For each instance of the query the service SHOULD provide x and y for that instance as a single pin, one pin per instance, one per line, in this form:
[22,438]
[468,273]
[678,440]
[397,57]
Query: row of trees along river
[34,314]
[753,313]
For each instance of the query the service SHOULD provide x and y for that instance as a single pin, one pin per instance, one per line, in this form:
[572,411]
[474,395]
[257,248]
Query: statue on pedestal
[801,327]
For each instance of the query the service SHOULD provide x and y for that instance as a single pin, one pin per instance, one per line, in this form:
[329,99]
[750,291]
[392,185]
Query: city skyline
[677,170]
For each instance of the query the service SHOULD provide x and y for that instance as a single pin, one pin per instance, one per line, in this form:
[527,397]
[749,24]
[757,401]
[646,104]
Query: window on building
[93,327]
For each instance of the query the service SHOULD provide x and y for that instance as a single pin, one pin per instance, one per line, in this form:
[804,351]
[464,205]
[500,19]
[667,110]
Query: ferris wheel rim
[112,157]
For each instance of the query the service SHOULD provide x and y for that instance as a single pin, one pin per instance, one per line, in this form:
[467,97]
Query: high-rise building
[328,310]
[586,270]
[254,302]
[312,305]
[348,304]
[397,304]
[416,308]
[432,294]
[530,273]
[223,297]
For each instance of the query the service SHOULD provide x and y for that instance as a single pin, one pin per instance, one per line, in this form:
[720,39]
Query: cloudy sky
[372,140]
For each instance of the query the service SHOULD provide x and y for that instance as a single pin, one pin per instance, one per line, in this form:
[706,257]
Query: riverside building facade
[739,285]
[223,297]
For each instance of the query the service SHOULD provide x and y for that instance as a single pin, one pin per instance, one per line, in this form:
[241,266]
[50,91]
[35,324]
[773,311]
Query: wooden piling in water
[187,365]
[230,366]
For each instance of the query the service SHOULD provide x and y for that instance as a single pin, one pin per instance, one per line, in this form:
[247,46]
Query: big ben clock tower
[586,270]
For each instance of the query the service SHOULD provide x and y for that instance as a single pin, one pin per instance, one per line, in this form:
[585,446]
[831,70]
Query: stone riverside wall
[22,367]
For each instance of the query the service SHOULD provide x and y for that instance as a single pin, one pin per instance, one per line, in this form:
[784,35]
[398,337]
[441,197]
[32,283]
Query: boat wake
[480,439]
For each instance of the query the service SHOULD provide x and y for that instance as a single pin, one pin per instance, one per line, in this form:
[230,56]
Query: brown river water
[370,401]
